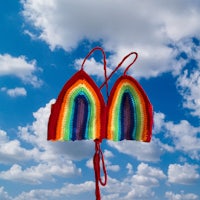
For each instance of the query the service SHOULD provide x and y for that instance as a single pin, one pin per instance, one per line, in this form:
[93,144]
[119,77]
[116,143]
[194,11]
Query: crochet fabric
[80,111]
[129,112]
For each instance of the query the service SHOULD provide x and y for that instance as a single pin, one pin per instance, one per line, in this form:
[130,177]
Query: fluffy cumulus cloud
[184,136]
[4,195]
[188,82]
[183,174]
[42,167]
[66,191]
[181,196]
[19,67]
[138,185]
[12,151]
[142,151]
[121,27]
[41,172]
[18,91]
[48,159]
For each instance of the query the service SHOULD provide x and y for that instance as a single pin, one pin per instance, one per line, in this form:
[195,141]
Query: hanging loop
[104,65]
[136,56]
[120,64]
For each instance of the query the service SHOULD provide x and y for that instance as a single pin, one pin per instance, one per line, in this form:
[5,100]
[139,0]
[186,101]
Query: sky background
[42,44]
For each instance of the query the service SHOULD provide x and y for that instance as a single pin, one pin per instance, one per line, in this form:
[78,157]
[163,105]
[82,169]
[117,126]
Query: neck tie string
[104,65]
[119,65]
[97,160]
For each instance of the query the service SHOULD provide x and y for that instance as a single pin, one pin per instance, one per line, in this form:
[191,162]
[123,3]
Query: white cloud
[41,169]
[130,168]
[158,122]
[18,91]
[85,190]
[185,136]
[145,170]
[183,174]
[11,150]
[147,175]
[108,154]
[188,81]
[181,196]
[135,186]
[188,84]
[140,150]
[114,168]
[4,195]
[19,67]
[41,172]
[130,26]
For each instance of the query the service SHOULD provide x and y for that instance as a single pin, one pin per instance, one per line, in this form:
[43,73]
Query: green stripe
[137,115]
[69,113]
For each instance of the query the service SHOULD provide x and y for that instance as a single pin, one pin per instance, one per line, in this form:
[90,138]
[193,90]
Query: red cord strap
[98,157]
[104,65]
[119,65]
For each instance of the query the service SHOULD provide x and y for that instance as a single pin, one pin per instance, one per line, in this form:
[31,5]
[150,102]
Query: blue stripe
[80,117]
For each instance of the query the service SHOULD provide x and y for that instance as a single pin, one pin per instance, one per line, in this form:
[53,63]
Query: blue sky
[42,44]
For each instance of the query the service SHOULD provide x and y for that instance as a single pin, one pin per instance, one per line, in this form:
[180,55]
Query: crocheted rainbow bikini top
[80,111]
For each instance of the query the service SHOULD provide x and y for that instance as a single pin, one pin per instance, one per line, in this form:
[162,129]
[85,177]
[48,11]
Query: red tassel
[98,156]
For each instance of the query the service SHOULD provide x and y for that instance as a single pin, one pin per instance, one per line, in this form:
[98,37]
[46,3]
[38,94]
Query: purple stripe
[127,117]
[80,119]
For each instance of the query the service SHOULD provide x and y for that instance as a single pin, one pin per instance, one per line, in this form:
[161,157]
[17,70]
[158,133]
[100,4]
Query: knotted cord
[98,159]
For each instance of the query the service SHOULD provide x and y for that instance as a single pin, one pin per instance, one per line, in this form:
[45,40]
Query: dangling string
[97,160]
[104,65]
[119,65]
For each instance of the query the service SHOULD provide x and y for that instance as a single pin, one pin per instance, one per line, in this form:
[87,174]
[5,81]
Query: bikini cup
[130,113]
[80,111]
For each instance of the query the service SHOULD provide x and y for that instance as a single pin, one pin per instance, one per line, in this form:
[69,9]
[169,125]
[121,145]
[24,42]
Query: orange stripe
[59,129]
[61,120]
[111,110]
[144,114]
[97,122]
[142,106]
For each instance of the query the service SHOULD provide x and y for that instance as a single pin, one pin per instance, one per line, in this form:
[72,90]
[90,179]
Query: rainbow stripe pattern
[80,111]
[129,112]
